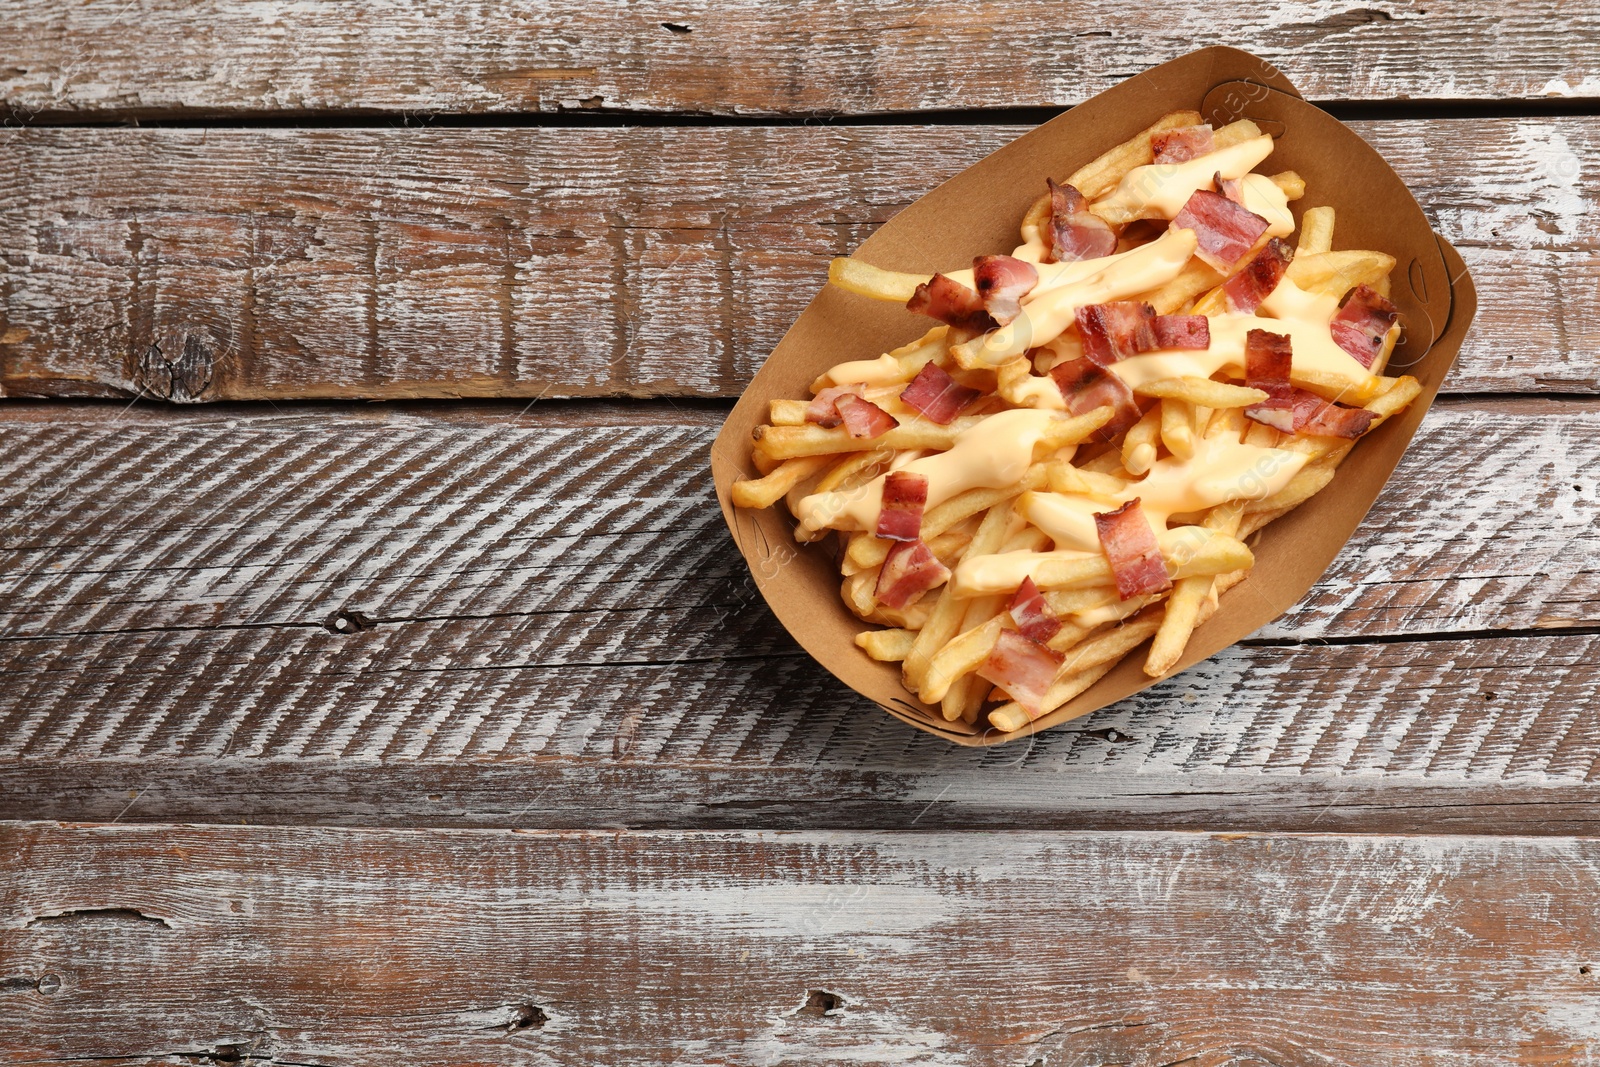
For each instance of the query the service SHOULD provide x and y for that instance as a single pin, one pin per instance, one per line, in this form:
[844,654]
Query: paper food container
[978,212]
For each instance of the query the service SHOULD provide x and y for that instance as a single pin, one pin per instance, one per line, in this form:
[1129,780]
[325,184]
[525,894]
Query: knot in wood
[179,368]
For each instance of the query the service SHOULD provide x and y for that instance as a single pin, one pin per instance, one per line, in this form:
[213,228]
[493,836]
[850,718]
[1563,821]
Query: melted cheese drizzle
[1222,469]
[1289,310]
[996,452]
[1159,190]
[1117,277]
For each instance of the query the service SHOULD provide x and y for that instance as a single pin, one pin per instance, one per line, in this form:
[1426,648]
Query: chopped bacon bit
[1072,232]
[863,418]
[1332,420]
[1226,231]
[1033,616]
[1268,359]
[909,570]
[904,496]
[1182,331]
[1024,669]
[1232,188]
[1086,385]
[824,411]
[1363,320]
[1116,330]
[1182,143]
[1300,411]
[952,303]
[1002,283]
[1131,547]
[937,395]
[1245,291]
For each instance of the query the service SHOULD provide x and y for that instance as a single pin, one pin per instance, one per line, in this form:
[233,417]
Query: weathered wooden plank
[157,57]
[554,591]
[247,264]
[176,945]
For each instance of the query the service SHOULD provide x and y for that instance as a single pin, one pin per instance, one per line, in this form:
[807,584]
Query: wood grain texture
[321,947]
[160,57]
[274,263]
[554,591]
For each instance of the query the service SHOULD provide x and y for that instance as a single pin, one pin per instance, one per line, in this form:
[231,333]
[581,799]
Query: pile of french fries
[943,639]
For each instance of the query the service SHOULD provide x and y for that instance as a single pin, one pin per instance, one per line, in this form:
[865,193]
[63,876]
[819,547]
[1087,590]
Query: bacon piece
[937,395]
[824,411]
[1182,331]
[1226,231]
[1130,545]
[904,496]
[1182,143]
[1268,359]
[1232,188]
[1245,291]
[863,418]
[1002,283]
[909,570]
[1363,320]
[1072,232]
[1033,616]
[1116,330]
[1332,420]
[952,303]
[1086,385]
[1300,411]
[1023,668]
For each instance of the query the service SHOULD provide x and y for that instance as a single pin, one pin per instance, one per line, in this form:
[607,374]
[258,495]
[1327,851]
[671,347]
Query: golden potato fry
[1316,233]
[769,488]
[886,646]
[852,275]
[1101,175]
[1203,391]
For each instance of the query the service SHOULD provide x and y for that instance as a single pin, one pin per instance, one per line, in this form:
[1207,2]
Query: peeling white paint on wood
[1070,948]
[281,263]
[739,58]
[168,580]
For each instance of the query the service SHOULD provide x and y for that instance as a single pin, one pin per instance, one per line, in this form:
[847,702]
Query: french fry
[769,488]
[1208,552]
[852,275]
[1188,597]
[886,646]
[1197,277]
[1101,175]
[963,653]
[1236,132]
[1139,443]
[1336,273]
[1307,483]
[1202,391]
[1177,427]
[1293,186]
[790,442]
[855,469]
[1316,233]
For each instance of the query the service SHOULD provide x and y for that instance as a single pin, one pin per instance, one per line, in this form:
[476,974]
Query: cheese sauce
[1046,315]
[996,452]
[1159,190]
[1221,470]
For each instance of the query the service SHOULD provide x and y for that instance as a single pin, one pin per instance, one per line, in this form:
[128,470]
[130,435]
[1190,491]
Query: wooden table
[449,729]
